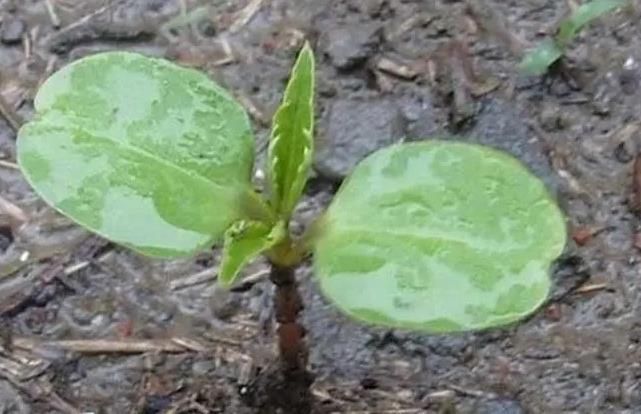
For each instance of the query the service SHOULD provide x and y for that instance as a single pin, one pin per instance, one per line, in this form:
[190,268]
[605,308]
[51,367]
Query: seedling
[538,61]
[437,236]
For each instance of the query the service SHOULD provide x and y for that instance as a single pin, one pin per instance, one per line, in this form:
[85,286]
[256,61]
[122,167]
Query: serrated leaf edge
[284,196]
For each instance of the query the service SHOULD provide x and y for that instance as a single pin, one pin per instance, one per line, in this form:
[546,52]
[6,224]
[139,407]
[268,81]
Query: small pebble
[369,383]
[11,399]
[6,238]
[225,304]
[553,312]
[155,404]
[207,28]
[550,118]
[630,76]
[622,153]
[203,368]
[354,129]
[350,46]
[500,406]
[12,31]
[582,235]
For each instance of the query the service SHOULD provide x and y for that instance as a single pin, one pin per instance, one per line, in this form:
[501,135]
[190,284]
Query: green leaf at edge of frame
[584,15]
[537,61]
[244,241]
[291,143]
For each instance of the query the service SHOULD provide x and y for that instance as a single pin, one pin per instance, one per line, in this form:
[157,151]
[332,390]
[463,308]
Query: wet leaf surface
[439,236]
[141,151]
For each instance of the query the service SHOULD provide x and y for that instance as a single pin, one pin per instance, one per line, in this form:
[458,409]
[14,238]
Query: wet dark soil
[180,344]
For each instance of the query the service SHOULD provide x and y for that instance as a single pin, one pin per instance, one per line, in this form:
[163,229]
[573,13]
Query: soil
[177,343]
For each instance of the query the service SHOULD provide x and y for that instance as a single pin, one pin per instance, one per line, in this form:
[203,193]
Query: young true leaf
[439,236]
[537,61]
[585,14]
[291,143]
[244,241]
[146,153]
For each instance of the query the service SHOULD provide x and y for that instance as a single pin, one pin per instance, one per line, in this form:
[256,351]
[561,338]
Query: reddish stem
[287,306]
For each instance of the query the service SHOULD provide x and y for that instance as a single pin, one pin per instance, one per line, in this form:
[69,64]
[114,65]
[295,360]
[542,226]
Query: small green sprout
[436,236]
[538,60]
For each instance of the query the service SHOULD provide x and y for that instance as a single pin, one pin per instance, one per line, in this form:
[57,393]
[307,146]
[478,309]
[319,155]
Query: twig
[207,275]
[27,44]
[106,346]
[85,19]
[190,344]
[439,395]
[69,270]
[9,115]
[593,288]
[389,66]
[60,404]
[249,281]
[22,373]
[392,396]
[43,391]
[14,212]
[245,15]
[252,108]
[471,393]
[53,16]
[188,404]
[228,56]
[91,28]
[198,407]
[9,164]
[51,65]
[226,340]
[23,369]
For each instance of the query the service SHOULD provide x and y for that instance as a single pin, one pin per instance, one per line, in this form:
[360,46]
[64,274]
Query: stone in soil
[500,124]
[11,401]
[351,45]
[352,130]
[11,31]
[424,120]
[6,237]
[630,76]
[500,406]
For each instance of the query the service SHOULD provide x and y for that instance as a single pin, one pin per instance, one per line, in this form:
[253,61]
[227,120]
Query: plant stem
[287,306]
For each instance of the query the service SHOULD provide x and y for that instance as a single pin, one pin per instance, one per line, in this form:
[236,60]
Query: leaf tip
[307,53]
[307,47]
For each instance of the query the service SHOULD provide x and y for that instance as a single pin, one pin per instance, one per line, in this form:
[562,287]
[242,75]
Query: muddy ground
[388,70]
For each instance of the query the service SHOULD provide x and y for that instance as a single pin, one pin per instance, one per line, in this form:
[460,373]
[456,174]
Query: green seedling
[436,236]
[538,61]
